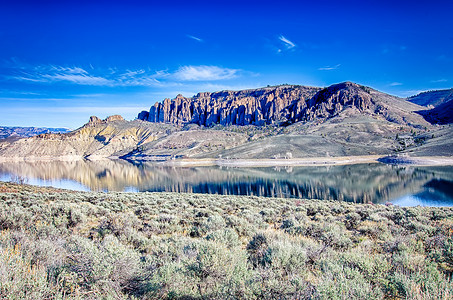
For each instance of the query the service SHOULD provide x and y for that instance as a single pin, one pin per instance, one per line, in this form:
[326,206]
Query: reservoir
[359,183]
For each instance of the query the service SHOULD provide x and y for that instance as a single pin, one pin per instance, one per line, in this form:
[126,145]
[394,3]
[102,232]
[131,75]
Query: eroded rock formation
[257,107]
[95,120]
[280,104]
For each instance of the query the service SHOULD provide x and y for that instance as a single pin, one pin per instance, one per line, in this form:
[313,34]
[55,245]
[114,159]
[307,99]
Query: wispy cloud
[115,77]
[439,80]
[52,73]
[194,38]
[204,73]
[72,75]
[289,45]
[329,68]
[395,83]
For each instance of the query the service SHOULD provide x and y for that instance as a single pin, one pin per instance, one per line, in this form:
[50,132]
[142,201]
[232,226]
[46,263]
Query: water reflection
[365,183]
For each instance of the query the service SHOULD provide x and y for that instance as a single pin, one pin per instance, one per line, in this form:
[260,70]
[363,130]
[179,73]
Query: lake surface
[362,183]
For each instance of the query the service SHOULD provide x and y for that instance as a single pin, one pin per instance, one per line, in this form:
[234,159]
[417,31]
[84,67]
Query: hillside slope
[111,137]
[432,98]
[442,114]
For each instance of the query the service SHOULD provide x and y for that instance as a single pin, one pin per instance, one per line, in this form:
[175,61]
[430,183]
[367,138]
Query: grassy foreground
[57,244]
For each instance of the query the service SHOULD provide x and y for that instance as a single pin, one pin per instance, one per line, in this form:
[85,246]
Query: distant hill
[6,132]
[432,98]
[440,106]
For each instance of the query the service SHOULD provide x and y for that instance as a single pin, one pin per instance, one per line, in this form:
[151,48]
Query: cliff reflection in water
[365,183]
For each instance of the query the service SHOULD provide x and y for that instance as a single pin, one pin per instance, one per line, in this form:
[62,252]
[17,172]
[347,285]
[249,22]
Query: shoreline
[312,161]
[267,162]
[264,162]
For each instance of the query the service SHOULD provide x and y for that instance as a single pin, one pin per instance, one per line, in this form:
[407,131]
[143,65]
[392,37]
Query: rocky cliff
[280,104]
[256,107]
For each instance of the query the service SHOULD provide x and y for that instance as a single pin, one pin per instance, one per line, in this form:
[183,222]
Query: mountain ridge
[284,104]
[17,131]
[432,98]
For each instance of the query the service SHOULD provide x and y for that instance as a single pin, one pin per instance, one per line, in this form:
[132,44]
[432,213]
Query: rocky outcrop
[114,118]
[280,104]
[332,100]
[96,121]
[256,107]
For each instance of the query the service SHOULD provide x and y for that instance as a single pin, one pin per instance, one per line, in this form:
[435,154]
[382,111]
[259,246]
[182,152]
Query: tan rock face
[281,104]
[98,138]
[114,118]
[95,120]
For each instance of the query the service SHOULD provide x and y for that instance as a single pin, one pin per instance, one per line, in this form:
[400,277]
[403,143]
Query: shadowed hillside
[442,114]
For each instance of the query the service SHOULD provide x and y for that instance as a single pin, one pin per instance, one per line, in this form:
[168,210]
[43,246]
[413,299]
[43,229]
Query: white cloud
[77,75]
[439,80]
[114,77]
[329,68]
[395,83]
[81,79]
[204,73]
[51,73]
[65,70]
[288,44]
[25,78]
[194,38]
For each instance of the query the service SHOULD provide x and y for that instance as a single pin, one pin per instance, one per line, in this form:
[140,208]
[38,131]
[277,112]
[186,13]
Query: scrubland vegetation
[58,244]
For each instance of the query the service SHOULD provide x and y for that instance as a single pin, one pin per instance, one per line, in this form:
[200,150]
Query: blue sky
[63,61]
